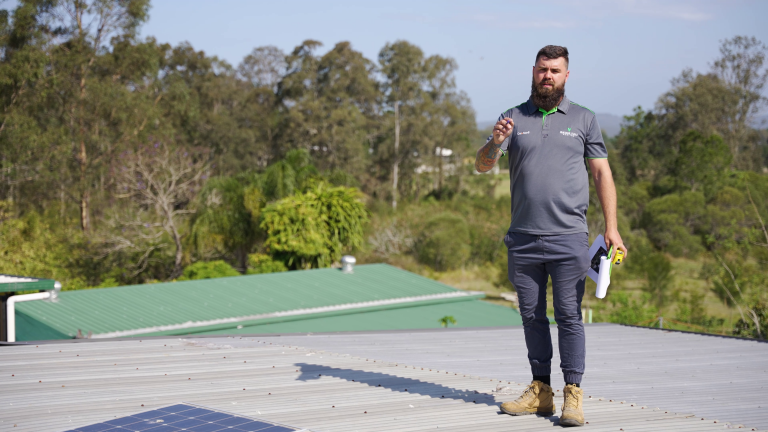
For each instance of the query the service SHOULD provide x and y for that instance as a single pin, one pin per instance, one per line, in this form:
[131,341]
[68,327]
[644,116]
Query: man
[550,140]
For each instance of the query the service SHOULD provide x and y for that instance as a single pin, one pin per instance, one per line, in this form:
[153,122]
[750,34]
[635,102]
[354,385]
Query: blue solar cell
[278,429]
[188,423]
[98,427]
[150,414]
[163,428]
[252,426]
[213,417]
[208,427]
[233,421]
[122,421]
[171,418]
[196,412]
[176,408]
[138,427]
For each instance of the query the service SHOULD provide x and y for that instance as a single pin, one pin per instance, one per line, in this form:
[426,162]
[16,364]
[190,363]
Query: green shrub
[628,311]
[262,263]
[444,242]
[208,270]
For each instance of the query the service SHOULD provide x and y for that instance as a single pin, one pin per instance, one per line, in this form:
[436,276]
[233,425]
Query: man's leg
[529,277]
[527,274]
[568,262]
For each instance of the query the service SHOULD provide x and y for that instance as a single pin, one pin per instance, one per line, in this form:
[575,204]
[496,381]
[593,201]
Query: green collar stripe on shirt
[574,103]
[545,114]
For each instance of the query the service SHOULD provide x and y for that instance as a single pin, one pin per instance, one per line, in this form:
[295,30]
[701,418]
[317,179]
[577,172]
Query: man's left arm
[606,192]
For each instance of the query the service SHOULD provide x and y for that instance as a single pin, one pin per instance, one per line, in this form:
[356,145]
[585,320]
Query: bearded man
[550,140]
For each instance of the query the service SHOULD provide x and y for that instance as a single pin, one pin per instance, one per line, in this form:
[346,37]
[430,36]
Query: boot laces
[571,400]
[529,392]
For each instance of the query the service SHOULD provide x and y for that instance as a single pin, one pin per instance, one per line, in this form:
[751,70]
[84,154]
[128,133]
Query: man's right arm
[490,153]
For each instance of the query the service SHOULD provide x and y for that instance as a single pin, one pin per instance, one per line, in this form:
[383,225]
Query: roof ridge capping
[308,312]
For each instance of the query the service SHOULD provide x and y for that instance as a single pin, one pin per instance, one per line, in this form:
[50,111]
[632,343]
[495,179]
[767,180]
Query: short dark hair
[553,52]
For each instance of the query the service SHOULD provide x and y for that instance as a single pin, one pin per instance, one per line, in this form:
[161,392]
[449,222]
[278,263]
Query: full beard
[546,98]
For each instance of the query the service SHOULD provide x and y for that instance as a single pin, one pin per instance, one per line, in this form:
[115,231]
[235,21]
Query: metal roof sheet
[65,385]
[222,303]
[714,377]
[474,313]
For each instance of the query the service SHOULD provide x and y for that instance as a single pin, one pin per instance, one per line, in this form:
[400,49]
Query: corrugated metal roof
[222,303]
[474,313]
[713,377]
[12,283]
[61,386]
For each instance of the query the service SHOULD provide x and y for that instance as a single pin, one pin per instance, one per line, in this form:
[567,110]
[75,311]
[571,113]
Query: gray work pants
[532,259]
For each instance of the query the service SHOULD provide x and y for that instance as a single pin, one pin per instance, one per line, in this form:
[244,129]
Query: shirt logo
[524,133]
[569,133]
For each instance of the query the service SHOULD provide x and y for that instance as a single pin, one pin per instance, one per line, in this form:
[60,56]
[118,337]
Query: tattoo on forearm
[487,157]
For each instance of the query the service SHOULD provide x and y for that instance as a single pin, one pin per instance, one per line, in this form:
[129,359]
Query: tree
[223,220]
[701,162]
[311,230]
[160,181]
[333,104]
[402,65]
[742,66]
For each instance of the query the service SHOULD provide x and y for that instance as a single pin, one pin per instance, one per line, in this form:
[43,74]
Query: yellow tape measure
[618,257]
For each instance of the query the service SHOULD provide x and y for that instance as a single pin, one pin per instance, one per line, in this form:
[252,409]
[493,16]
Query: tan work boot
[537,398]
[573,413]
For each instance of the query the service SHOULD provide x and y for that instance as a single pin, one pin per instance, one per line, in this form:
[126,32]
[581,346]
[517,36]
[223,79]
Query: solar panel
[186,417]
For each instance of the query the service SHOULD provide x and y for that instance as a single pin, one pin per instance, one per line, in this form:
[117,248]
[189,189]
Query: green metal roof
[12,283]
[225,303]
[473,313]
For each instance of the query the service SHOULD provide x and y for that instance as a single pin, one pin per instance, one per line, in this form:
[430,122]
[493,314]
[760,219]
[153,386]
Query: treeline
[692,183]
[144,158]
[131,161]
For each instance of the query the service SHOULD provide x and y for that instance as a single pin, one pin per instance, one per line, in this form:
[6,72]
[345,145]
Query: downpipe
[52,296]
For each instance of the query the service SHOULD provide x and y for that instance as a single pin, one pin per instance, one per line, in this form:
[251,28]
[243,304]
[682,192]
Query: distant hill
[610,123]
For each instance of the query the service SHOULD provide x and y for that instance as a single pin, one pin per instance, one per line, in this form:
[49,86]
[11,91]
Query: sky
[623,53]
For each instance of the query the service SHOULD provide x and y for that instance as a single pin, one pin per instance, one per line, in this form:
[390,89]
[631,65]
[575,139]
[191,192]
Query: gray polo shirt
[547,167]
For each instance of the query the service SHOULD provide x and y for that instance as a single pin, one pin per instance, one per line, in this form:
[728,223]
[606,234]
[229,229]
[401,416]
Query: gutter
[51,295]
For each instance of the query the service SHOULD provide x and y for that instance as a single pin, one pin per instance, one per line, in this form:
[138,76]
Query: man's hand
[502,130]
[612,238]
[490,153]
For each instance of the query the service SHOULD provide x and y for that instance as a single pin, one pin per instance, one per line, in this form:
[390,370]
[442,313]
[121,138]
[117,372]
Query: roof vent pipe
[348,264]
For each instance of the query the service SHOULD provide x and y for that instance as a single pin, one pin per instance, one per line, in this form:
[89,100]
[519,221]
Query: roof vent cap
[348,264]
